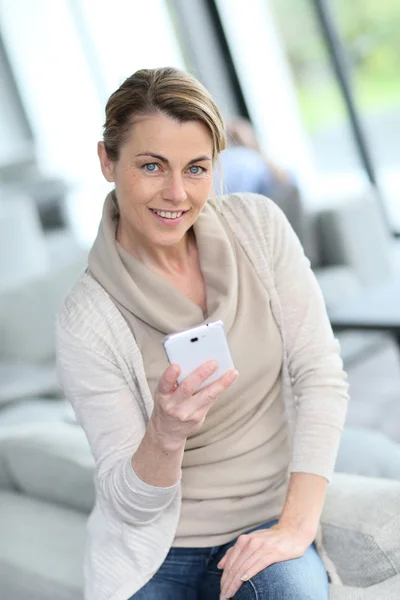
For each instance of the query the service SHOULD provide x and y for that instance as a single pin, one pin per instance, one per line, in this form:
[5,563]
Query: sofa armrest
[353,233]
[361,529]
[49,461]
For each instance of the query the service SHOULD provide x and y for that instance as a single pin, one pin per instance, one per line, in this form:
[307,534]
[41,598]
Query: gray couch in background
[36,271]
[350,249]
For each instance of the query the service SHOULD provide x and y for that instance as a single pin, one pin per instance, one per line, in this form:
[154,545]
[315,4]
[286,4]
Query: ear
[107,165]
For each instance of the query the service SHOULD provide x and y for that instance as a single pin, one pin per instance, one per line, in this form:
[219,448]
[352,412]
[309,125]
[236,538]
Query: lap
[178,578]
[165,590]
[192,574]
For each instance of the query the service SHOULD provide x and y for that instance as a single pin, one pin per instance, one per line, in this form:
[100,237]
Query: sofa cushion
[28,312]
[20,380]
[35,410]
[22,247]
[345,237]
[363,537]
[41,550]
[50,461]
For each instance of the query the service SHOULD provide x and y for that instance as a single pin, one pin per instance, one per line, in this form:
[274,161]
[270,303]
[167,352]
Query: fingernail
[212,365]
[244,578]
[233,375]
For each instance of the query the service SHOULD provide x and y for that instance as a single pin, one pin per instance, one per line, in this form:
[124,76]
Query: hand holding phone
[193,347]
[180,410]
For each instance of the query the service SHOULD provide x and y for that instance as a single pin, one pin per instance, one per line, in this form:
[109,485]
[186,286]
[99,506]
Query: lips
[168,220]
[168,210]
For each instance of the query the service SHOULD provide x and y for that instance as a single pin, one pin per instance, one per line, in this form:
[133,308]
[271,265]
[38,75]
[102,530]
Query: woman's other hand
[256,551]
[180,410]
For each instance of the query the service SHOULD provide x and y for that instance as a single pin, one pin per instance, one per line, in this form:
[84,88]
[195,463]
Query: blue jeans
[192,574]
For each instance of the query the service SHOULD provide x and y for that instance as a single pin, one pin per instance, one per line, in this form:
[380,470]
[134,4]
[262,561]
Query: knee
[296,589]
[285,581]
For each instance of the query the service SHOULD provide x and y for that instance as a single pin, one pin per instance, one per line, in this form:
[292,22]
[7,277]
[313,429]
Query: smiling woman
[203,492]
[158,202]
[159,153]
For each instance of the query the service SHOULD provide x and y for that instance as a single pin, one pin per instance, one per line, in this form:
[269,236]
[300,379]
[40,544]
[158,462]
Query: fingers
[167,383]
[209,394]
[224,382]
[250,568]
[188,388]
[255,565]
[191,384]
[240,554]
[214,389]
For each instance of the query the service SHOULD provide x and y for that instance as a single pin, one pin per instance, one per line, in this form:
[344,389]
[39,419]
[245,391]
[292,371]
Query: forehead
[162,133]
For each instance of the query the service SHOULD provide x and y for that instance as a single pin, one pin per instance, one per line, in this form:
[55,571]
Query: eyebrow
[166,161]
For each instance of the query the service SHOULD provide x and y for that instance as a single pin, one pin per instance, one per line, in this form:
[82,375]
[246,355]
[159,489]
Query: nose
[174,190]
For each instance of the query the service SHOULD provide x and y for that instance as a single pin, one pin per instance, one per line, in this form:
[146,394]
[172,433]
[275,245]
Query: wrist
[165,442]
[303,529]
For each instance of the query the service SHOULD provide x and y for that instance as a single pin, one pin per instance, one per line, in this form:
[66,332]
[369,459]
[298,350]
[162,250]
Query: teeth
[167,214]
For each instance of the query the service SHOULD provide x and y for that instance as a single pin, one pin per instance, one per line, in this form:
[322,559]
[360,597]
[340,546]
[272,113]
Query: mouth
[170,218]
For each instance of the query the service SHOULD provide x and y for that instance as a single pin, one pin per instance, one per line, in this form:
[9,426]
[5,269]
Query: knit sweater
[133,524]
[235,467]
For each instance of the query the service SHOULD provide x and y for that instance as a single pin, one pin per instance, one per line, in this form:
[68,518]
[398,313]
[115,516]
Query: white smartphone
[193,347]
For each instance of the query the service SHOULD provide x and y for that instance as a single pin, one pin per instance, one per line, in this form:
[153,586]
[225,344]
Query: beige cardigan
[133,524]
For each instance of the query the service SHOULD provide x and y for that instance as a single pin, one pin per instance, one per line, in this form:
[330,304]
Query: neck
[173,259]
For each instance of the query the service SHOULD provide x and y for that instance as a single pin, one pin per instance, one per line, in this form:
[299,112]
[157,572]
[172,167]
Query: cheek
[202,183]
[136,185]
[131,179]
[203,188]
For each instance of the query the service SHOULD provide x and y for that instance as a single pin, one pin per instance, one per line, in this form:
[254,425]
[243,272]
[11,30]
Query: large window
[369,35]
[67,57]
[285,67]
[127,36]
[321,105]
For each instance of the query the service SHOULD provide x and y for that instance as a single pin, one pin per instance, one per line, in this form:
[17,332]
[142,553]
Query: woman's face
[163,178]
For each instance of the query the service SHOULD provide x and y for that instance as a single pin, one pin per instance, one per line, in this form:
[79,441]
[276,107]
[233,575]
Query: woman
[211,494]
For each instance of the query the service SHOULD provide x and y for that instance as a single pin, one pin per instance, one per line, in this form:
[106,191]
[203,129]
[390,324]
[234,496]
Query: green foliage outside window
[370,33]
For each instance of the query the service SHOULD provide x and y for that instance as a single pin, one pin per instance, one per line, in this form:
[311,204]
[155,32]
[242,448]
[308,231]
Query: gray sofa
[36,271]
[349,248]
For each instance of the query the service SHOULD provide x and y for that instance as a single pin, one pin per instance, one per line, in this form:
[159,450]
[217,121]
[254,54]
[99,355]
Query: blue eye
[150,167]
[197,170]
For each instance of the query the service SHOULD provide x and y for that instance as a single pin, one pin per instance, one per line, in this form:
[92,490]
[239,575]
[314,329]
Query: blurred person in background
[199,494]
[244,167]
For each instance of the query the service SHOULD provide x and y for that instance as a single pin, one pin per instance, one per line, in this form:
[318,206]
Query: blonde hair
[167,90]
